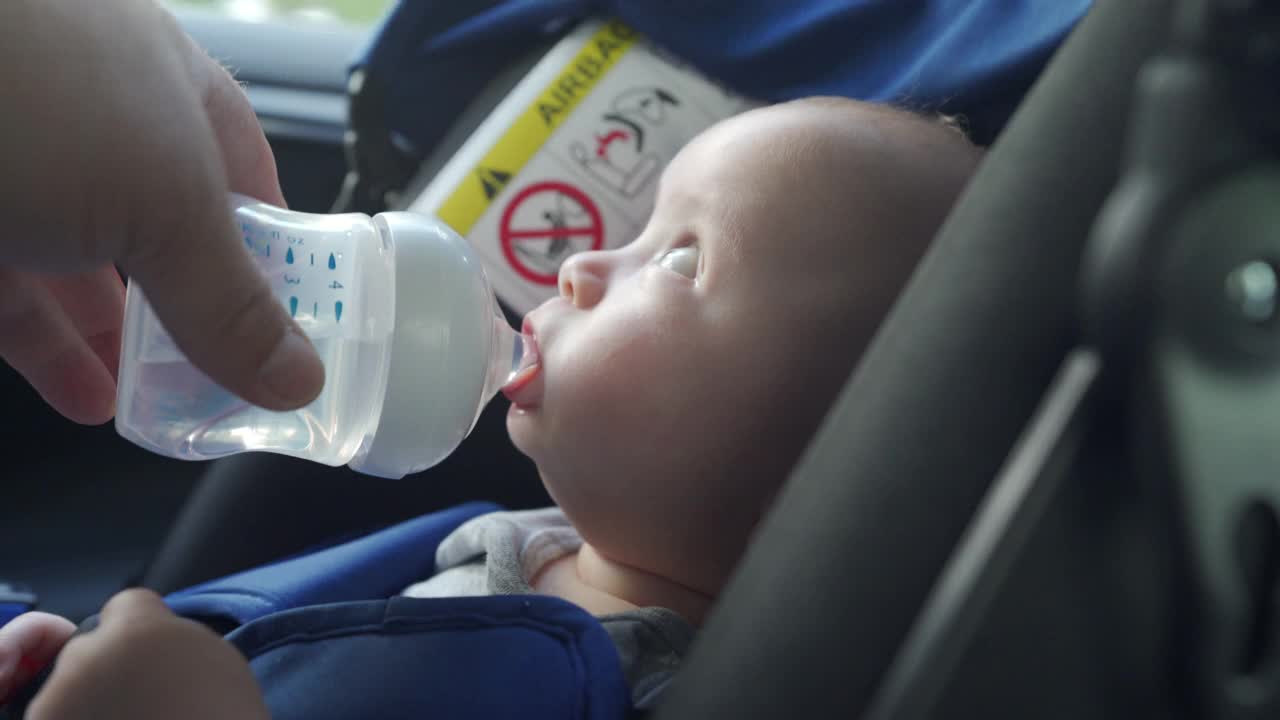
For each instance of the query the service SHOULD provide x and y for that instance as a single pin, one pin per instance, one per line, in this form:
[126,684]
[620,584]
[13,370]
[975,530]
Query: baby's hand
[145,662]
[27,644]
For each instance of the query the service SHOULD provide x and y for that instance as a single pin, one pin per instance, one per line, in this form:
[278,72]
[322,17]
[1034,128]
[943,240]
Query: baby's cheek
[597,389]
[607,398]
[624,371]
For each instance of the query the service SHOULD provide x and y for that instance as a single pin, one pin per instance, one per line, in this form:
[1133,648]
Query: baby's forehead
[780,161]
[803,182]
[768,148]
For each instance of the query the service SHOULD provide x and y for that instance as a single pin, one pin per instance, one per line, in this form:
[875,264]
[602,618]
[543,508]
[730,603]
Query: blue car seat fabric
[375,566]
[974,58]
[328,636]
[9,611]
[14,600]
[509,656]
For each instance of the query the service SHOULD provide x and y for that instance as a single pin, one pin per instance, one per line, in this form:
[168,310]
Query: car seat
[832,609]
[434,69]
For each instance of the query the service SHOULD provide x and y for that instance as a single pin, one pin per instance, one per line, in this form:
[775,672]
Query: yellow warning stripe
[534,126]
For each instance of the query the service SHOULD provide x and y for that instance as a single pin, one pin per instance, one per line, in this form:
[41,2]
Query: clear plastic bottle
[400,310]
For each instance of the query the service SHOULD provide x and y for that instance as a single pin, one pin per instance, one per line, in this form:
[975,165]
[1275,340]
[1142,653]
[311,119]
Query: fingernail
[292,373]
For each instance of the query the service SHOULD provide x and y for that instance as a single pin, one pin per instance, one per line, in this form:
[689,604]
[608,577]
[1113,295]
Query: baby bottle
[402,315]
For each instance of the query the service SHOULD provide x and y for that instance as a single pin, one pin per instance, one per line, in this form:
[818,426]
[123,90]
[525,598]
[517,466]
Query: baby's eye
[683,260]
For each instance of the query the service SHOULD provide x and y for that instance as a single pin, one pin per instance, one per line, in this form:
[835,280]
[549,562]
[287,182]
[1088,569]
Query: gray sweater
[497,554]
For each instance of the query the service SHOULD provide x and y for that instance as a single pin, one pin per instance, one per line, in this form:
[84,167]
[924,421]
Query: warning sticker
[532,128]
[571,159]
[545,223]
[535,226]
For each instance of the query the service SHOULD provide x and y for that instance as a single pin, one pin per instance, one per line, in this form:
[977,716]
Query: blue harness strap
[327,635]
[504,656]
[371,567]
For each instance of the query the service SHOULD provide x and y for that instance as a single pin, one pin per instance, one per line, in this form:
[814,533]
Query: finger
[40,341]
[94,302]
[250,165]
[133,605]
[97,673]
[27,645]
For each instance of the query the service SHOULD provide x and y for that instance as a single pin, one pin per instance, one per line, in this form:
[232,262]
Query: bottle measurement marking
[262,248]
[315,309]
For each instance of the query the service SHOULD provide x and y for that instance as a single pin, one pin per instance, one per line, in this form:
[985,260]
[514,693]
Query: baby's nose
[582,279]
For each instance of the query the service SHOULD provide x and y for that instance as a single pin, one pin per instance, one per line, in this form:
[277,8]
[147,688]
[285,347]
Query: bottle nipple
[527,363]
[514,362]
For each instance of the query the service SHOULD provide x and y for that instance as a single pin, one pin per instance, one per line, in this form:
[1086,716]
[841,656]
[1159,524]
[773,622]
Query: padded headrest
[839,570]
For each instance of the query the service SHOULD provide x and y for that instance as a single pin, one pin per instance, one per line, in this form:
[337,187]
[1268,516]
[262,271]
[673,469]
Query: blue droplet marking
[293,307]
[313,258]
[288,257]
[333,264]
[337,311]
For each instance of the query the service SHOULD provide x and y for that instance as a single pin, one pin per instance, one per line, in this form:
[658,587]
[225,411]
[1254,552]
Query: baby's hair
[956,124]
[919,164]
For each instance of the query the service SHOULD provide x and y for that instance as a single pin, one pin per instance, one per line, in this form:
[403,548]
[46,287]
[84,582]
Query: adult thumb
[185,252]
[216,304]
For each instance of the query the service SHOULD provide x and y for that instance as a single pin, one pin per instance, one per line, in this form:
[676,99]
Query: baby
[680,378]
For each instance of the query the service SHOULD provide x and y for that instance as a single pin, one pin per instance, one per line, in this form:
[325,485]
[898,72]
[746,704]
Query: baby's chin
[526,427]
[518,429]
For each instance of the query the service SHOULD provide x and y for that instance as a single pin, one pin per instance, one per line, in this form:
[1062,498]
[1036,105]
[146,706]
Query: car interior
[1090,525]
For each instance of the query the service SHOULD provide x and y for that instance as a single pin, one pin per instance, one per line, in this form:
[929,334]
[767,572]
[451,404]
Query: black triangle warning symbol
[492,181]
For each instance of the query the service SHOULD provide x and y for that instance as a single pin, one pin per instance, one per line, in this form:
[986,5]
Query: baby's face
[669,400]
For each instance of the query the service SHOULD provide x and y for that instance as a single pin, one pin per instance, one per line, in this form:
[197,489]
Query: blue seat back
[974,58]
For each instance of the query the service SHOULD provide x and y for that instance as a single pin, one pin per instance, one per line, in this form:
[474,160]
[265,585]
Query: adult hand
[142,662]
[120,142]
